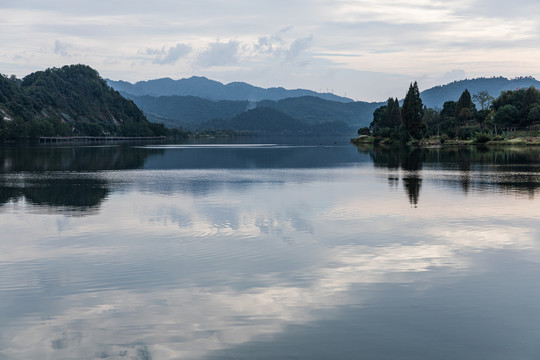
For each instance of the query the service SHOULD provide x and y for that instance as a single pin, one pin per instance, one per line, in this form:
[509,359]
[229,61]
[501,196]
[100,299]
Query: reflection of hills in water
[68,194]
[70,179]
[66,178]
[252,156]
[515,170]
[89,158]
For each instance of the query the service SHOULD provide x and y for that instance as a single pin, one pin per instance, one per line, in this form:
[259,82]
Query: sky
[363,49]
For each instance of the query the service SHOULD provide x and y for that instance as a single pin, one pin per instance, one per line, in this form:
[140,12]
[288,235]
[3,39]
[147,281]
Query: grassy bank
[514,138]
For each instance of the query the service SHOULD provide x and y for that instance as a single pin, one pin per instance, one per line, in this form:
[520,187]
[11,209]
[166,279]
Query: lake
[272,250]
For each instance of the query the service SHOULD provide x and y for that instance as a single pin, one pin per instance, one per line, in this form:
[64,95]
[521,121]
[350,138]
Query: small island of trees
[496,120]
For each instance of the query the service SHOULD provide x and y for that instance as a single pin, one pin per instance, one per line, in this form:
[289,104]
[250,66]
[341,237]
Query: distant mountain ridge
[214,90]
[201,103]
[436,96]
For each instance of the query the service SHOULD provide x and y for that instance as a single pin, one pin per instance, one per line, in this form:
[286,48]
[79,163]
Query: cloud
[505,9]
[298,46]
[219,54]
[61,48]
[169,56]
[454,75]
[407,37]
[279,47]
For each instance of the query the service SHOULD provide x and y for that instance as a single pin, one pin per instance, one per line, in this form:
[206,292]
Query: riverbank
[521,138]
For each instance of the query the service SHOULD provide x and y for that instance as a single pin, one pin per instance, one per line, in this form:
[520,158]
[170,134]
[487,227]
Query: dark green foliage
[467,132]
[412,112]
[379,119]
[448,110]
[394,119]
[72,100]
[431,121]
[465,108]
[364,131]
[482,138]
[387,119]
[482,115]
[530,98]
[507,116]
[534,114]
[517,108]
[512,110]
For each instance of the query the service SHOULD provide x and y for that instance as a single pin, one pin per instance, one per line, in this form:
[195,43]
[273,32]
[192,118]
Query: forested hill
[438,95]
[192,113]
[72,100]
[268,120]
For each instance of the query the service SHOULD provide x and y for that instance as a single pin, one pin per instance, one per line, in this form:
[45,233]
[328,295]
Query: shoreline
[435,142]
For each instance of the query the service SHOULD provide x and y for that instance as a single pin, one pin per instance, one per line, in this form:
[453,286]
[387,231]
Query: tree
[431,120]
[534,114]
[379,119]
[393,114]
[507,116]
[464,107]
[484,99]
[412,111]
[387,120]
[530,98]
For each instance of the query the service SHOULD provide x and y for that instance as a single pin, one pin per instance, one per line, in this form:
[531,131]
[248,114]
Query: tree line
[512,110]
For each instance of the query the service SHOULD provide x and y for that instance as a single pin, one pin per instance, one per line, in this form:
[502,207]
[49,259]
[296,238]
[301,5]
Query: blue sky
[364,49]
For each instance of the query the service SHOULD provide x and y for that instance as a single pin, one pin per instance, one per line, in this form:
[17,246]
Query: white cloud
[219,54]
[169,56]
[61,48]
[411,38]
[206,316]
[298,46]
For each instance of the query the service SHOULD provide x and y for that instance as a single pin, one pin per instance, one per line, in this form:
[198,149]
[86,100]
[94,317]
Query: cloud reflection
[186,274]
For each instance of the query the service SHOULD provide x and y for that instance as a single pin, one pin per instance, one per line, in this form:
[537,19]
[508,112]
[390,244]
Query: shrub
[364,131]
[482,138]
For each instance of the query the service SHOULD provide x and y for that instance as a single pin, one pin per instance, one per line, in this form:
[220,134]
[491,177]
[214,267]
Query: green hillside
[316,110]
[267,120]
[72,100]
[190,112]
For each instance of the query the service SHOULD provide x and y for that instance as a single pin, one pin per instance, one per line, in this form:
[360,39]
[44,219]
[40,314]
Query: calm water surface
[269,251]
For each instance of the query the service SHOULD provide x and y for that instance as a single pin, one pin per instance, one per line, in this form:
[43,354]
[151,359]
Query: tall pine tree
[412,112]
[393,114]
[464,106]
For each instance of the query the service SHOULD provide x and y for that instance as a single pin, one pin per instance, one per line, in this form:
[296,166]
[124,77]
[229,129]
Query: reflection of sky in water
[209,263]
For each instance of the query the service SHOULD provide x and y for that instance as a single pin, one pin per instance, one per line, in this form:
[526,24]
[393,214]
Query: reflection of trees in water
[407,159]
[412,188]
[78,193]
[513,170]
[72,158]
[411,162]
[73,194]
[63,177]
